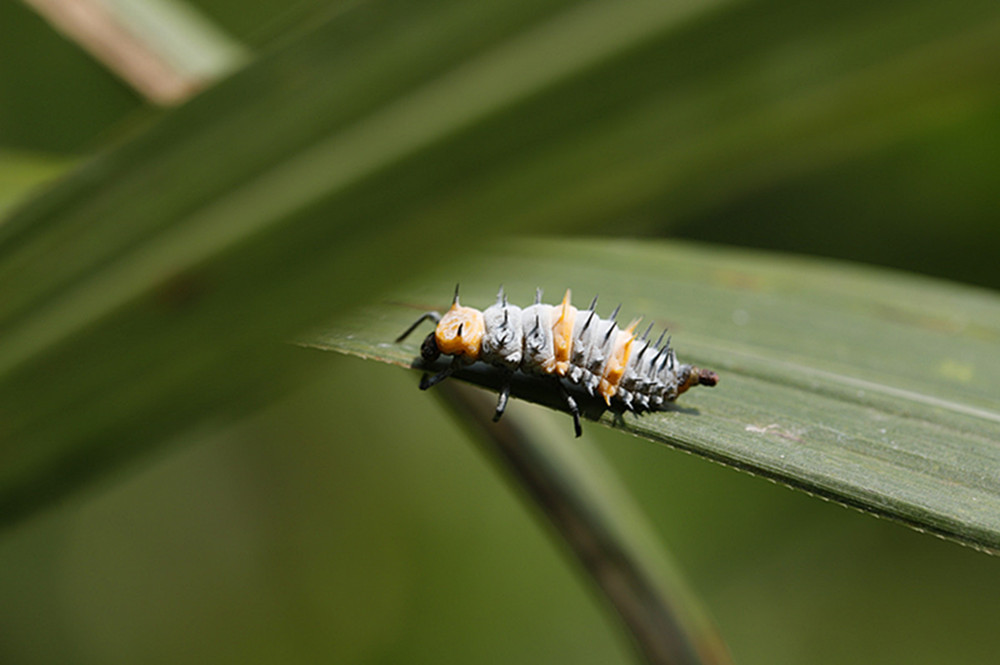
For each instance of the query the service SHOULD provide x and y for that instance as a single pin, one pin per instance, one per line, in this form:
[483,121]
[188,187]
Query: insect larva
[562,342]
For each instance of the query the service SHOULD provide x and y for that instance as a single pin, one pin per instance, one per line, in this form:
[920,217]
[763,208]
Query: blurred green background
[352,522]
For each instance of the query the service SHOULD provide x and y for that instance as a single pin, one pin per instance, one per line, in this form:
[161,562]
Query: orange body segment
[562,335]
[614,369]
[460,332]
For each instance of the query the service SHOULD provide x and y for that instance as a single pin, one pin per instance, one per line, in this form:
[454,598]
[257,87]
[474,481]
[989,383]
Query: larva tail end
[693,376]
[707,377]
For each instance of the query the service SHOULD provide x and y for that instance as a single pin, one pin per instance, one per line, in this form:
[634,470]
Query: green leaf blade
[871,388]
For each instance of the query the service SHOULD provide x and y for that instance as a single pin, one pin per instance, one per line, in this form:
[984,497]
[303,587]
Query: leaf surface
[873,388]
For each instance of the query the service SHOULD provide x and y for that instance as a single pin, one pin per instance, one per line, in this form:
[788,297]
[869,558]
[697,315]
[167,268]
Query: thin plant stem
[602,527]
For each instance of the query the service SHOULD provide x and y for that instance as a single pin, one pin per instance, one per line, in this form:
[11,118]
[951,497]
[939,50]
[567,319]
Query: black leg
[573,408]
[429,381]
[504,395]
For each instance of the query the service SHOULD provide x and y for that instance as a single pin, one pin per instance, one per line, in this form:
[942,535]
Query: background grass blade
[176,306]
[22,173]
[871,388]
[165,49]
[147,299]
[572,486]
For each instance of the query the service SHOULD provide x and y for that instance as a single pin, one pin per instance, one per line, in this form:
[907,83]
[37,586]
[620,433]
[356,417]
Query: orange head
[460,332]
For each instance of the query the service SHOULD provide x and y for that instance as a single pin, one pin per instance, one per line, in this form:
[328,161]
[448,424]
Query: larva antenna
[433,316]
[455,300]
[538,295]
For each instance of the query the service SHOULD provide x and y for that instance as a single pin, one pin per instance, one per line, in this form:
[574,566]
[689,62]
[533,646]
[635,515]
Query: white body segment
[539,354]
[584,332]
[596,354]
[503,342]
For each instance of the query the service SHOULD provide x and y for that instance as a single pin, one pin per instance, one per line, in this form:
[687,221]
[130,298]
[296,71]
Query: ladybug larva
[563,342]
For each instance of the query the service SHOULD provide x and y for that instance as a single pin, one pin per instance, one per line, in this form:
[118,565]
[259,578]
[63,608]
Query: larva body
[563,342]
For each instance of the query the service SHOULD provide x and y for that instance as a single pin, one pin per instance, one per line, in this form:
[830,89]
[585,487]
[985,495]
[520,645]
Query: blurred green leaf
[164,49]
[152,290]
[23,173]
[876,389]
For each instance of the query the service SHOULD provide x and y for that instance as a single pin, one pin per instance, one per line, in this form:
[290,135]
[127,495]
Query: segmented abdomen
[587,350]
